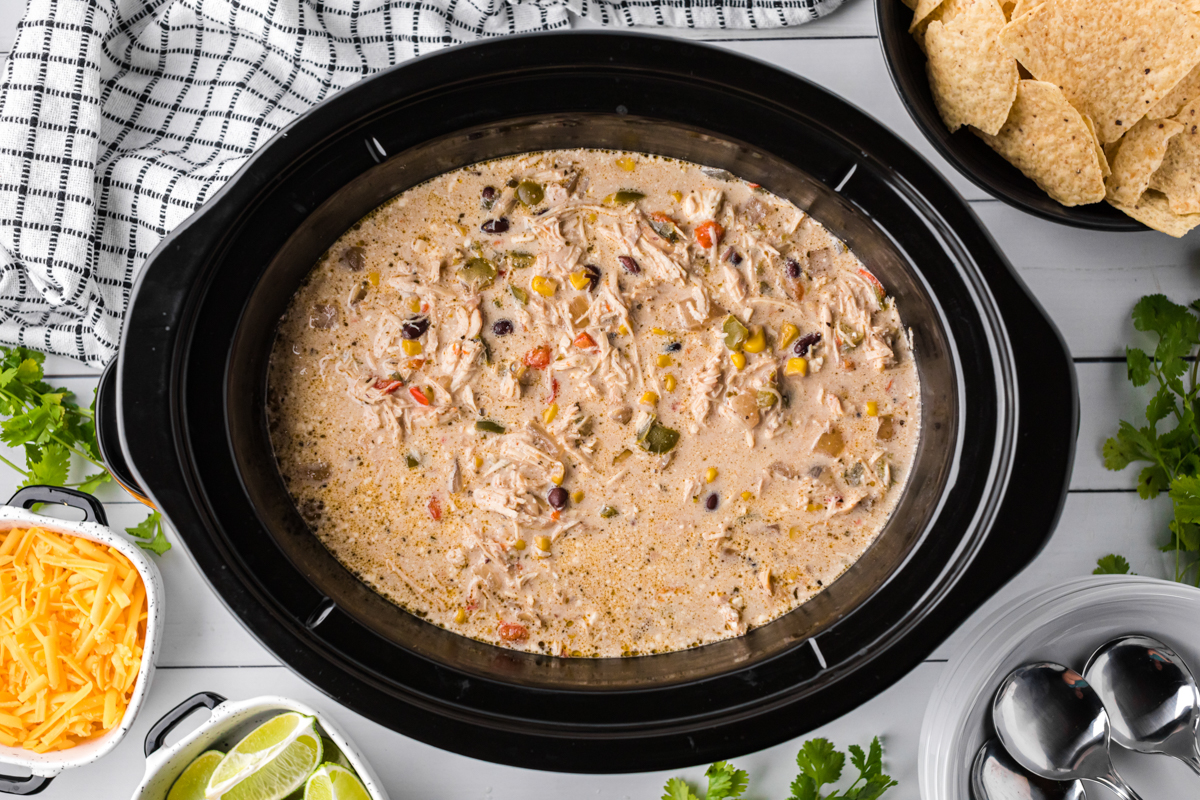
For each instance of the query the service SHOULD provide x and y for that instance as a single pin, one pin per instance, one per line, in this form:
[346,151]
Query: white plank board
[1089,281]
[11,12]
[1105,397]
[1092,525]
[410,769]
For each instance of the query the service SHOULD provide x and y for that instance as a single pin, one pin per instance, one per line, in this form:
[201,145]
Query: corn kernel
[756,343]
[478,462]
[543,543]
[373,278]
[550,413]
[414,305]
[872,408]
[796,366]
[460,616]
[559,476]
[623,330]
[580,280]
[738,360]
[411,347]
[814,507]
[710,474]
[747,496]
[787,335]
[577,496]
[592,218]
[677,196]
[669,383]
[626,163]
[795,534]
[660,331]
[519,544]
[664,360]
[546,287]
[649,399]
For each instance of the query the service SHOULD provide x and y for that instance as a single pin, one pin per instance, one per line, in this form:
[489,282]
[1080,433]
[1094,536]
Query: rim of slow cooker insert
[249,441]
[155,361]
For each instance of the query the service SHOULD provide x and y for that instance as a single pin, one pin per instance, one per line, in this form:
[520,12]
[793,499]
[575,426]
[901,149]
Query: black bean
[489,196]
[733,256]
[629,264]
[674,347]
[593,275]
[354,258]
[793,268]
[558,497]
[414,328]
[495,225]
[711,501]
[502,327]
[805,342]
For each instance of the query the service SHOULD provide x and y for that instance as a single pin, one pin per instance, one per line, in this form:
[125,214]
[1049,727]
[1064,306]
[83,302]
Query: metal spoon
[1055,726]
[1150,696]
[996,776]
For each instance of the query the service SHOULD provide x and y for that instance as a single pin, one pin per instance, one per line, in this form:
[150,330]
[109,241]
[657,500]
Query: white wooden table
[1086,281]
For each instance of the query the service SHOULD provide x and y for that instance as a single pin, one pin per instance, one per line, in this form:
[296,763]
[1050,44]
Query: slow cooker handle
[93,510]
[31,784]
[159,730]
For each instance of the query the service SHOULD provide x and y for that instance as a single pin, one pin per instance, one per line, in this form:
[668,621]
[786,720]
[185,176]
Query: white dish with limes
[265,748]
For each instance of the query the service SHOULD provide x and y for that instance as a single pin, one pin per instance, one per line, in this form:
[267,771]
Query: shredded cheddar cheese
[72,628]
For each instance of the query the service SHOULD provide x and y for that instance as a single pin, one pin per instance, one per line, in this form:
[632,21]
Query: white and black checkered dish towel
[118,118]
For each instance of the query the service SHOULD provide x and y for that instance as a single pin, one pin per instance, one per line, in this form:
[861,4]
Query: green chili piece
[530,193]
[478,273]
[735,333]
[660,439]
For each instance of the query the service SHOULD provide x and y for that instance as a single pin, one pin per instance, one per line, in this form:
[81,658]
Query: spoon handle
[1117,785]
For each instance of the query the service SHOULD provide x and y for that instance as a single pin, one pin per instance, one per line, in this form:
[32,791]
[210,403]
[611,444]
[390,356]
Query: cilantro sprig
[820,764]
[1173,457]
[50,427]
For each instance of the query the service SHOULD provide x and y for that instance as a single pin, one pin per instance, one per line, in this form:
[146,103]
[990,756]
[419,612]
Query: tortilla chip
[910,3]
[1191,5]
[1022,6]
[1153,211]
[973,79]
[1141,153]
[1049,141]
[922,11]
[1179,176]
[1100,154]
[1185,91]
[1114,59]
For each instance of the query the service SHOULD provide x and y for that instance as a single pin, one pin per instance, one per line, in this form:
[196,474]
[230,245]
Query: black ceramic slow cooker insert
[998,416]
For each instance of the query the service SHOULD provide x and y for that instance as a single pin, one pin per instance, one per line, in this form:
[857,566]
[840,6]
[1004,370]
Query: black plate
[191,388]
[980,164]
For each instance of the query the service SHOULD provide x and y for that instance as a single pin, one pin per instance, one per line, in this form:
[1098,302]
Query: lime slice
[331,782]
[334,755]
[192,781]
[270,763]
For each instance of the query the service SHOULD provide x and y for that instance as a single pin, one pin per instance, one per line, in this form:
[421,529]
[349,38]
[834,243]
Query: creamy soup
[593,403]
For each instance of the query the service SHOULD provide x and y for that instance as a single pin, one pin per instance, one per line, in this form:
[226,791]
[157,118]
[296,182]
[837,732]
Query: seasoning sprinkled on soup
[593,403]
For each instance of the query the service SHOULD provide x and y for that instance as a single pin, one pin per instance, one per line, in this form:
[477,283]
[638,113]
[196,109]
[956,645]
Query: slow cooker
[187,397]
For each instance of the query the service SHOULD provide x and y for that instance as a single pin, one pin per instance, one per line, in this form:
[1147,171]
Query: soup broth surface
[593,403]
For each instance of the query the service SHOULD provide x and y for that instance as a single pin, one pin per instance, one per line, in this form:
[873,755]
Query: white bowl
[45,766]
[1065,624]
[229,722]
